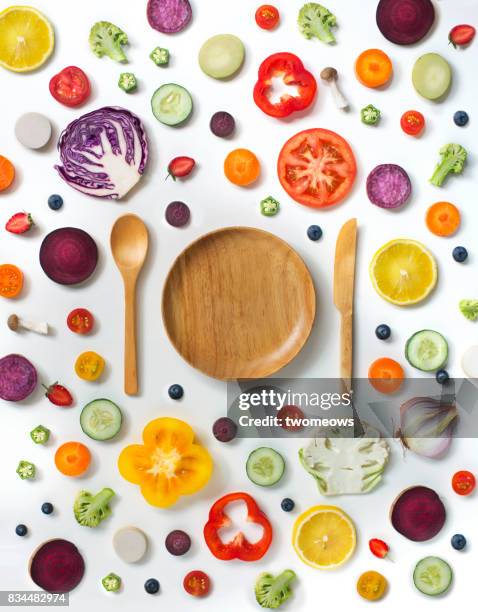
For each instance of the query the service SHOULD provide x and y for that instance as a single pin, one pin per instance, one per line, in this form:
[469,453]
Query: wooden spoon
[129,245]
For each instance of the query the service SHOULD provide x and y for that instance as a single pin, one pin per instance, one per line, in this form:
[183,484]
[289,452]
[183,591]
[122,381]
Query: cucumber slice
[221,56]
[265,466]
[432,576]
[172,104]
[427,350]
[431,76]
[101,419]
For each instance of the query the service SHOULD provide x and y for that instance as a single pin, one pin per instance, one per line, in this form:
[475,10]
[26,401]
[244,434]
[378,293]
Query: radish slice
[388,186]
[469,362]
[57,566]
[405,22]
[130,544]
[18,378]
[418,514]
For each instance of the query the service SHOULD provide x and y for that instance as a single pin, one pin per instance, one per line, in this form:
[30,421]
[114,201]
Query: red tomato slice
[197,583]
[463,482]
[290,418]
[80,321]
[412,122]
[267,17]
[317,168]
[70,87]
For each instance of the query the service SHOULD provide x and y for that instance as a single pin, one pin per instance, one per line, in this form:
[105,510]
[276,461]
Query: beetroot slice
[57,566]
[418,514]
[177,214]
[388,186]
[405,22]
[169,16]
[18,378]
[68,255]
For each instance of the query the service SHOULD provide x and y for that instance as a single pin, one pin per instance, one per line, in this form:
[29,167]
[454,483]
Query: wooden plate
[238,303]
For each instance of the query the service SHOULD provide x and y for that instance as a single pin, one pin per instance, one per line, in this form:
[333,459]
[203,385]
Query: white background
[215,203]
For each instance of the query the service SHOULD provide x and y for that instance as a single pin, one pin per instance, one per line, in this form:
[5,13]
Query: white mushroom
[330,75]
[15,323]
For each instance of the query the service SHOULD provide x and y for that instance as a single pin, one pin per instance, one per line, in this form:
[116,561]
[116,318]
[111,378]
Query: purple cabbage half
[103,153]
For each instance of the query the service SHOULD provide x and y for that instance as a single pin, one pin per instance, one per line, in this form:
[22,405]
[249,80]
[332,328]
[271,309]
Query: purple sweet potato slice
[388,186]
[169,16]
[18,378]
[57,566]
[418,513]
[405,22]
[68,255]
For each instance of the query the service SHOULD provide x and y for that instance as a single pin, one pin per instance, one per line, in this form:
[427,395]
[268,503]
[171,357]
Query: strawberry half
[19,223]
[379,548]
[461,35]
[59,395]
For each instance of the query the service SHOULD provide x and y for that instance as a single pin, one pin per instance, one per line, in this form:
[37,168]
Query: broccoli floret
[26,470]
[271,592]
[40,435]
[112,582]
[127,82]
[469,309]
[107,39]
[453,158]
[91,509]
[316,20]
[370,115]
[160,56]
[270,206]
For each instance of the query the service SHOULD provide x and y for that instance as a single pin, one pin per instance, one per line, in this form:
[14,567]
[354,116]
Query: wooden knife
[344,278]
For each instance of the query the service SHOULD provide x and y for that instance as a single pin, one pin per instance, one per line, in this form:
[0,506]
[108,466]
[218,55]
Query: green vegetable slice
[431,76]
[427,350]
[101,419]
[221,56]
[272,591]
[432,576]
[171,104]
[315,21]
[265,466]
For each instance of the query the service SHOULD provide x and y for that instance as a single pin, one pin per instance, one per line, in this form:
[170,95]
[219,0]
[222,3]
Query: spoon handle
[130,371]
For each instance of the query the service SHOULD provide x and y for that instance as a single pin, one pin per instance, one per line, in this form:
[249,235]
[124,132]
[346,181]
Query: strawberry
[378,548]
[461,35]
[20,223]
[59,395]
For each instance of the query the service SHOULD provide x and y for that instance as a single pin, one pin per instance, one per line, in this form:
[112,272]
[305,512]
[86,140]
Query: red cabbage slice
[169,16]
[388,186]
[68,255]
[418,513]
[405,22]
[18,378]
[103,153]
[57,566]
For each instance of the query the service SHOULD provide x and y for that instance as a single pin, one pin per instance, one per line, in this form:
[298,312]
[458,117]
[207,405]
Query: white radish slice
[130,544]
[33,130]
[469,362]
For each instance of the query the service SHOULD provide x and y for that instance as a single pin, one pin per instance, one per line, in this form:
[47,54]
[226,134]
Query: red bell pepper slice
[239,547]
[291,69]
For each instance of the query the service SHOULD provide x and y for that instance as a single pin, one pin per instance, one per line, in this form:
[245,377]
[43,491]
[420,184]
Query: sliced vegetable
[128,82]
[19,223]
[378,548]
[89,366]
[15,323]
[418,514]
[405,22]
[386,375]
[239,547]
[90,510]
[18,378]
[463,482]
[7,173]
[224,429]
[222,124]
[180,167]
[300,83]
[427,350]
[221,56]
[316,21]
[101,419]
[432,576]
[33,130]
[469,309]
[461,35]
[26,470]
[242,167]
[11,281]
[68,255]
[172,104]
[373,68]
[290,418]
[431,76]
[265,466]
[160,56]
[40,435]
[412,123]
[372,586]
[443,219]
[111,160]
[272,591]
[72,458]
[330,76]
[57,566]
[267,17]
[388,186]
[453,158]
[169,16]
[370,115]
[469,362]
[80,321]
[177,214]
[270,206]
[197,583]
[108,39]
[177,543]
[70,87]
[111,582]
[130,544]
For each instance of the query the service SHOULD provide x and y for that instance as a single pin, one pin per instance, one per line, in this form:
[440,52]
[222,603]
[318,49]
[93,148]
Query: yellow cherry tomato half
[89,365]
[371,586]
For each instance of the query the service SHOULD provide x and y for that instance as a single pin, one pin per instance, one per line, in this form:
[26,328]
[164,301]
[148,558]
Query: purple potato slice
[169,16]
[18,378]
[388,186]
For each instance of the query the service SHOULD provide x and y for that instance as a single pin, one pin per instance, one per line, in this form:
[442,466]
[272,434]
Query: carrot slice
[373,68]
[7,173]
[386,375]
[443,219]
[11,280]
[72,458]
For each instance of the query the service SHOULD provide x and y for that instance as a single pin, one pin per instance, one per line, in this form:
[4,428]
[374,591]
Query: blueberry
[287,504]
[314,232]
[175,392]
[442,376]
[55,202]
[224,429]
[47,508]
[21,530]
[461,118]
[383,332]
[460,254]
[458,541]
[178,542]
[151,586]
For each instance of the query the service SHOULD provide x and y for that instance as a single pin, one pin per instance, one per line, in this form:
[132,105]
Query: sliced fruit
[432,576]
[463,482]
[431,76]
[412,122]
[373,68]
[19,223]
[403,272]
[11,281]
[89,365]
[324,537]
[371,586]
[427,350]
[59,395]
[461,35]
[443,219]
[80,321]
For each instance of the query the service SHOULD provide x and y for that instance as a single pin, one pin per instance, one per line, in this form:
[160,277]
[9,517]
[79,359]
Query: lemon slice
[26,38]
[324,537]
[403,272]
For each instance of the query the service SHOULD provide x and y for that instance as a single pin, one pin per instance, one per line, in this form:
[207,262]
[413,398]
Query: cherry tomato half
[290,418]
[463,482]
[80,321]
[70,87]
[267,17]
[197,583]
[412,122]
